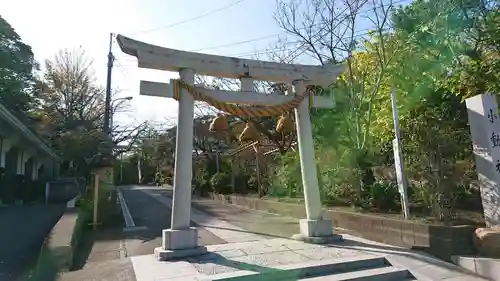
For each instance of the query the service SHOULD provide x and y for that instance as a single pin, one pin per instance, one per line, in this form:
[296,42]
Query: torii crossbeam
[181,240]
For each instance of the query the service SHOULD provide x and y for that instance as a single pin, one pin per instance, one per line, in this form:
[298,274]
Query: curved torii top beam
[160,58]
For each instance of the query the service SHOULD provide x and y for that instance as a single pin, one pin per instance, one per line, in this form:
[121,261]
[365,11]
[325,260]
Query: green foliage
[108,211]
[125,171]
[74,130]
[221,183]
[337,176]
[288,180]
[17,67]
[436,138]
[453,43]
[202,180]
[437,54]
[83,221]
[384,196]
[161,178]
[46,267]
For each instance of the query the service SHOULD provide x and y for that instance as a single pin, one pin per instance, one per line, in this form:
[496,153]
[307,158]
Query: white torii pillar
[181,240]
[314,228]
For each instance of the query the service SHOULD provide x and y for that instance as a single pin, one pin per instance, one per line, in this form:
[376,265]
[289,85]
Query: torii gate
[181,240]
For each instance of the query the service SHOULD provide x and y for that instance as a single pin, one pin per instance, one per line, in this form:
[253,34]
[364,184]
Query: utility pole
[107,112]
[139,168]
[121,168]
[398,157]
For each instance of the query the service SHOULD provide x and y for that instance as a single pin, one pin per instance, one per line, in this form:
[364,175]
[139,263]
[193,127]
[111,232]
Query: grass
[110,218]
[46,268]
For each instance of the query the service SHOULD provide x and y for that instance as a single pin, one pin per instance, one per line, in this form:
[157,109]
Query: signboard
[400,177]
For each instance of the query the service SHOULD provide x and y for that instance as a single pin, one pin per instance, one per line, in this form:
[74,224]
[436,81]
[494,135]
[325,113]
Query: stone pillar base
[317,232]
[178,244]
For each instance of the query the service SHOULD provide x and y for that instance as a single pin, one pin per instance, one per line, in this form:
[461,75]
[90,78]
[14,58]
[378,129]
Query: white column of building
[37,163]
[5,146]
[314,226]
[26,156]
[20,163]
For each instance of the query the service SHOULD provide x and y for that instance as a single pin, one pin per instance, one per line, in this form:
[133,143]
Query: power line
[264,51]
[268,51]
[122,68]
[258,38]
[284,33]
[190,19]
[239,42]
[249,55]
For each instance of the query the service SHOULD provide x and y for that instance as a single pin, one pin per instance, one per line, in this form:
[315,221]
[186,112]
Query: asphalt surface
[155,216]
[23,230]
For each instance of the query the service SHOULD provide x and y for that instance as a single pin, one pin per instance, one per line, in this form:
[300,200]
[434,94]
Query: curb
[127,217]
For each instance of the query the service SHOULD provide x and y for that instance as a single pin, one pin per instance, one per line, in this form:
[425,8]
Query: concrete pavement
[250,245]
[23,230]
[110,256]
[155,216]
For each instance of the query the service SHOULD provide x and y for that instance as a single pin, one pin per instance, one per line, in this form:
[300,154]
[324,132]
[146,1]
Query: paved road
[22,232]
[146,211]
[109,258]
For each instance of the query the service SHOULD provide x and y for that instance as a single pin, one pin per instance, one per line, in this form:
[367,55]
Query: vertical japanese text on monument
[492,117]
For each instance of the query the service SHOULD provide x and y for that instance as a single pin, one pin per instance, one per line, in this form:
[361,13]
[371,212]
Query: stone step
[388,273]
[332,267]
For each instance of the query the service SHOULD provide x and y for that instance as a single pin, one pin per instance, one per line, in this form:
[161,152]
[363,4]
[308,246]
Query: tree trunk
[365,176]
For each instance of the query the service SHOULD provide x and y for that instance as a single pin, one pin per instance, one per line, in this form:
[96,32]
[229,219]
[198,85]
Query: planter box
[438,240]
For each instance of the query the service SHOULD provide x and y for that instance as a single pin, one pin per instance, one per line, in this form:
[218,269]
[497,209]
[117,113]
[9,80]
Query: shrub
[384,195]
[288,179]
[82,222]
[201,180]
[221,183]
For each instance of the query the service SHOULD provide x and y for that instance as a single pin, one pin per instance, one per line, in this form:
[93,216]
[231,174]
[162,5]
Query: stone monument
[485,131]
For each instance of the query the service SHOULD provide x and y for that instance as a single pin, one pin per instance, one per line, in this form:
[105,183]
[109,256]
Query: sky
[50,25]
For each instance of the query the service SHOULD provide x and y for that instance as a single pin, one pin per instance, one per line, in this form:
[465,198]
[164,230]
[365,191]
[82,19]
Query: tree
[71,96]
[449,52]
[454,43]
[329,34]
[73,110]
[17,78]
